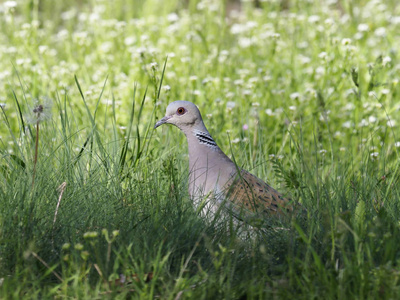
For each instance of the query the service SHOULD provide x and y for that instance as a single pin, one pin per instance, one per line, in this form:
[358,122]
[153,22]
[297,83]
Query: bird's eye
[180,111]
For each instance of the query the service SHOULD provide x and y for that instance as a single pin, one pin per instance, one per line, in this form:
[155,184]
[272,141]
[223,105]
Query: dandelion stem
[36,152]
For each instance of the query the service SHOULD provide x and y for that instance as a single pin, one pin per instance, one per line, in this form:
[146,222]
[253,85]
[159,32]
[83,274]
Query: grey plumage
[213,175]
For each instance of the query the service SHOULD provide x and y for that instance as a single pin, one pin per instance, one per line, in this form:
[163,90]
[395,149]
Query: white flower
[235,141]
[342,149]
[68,15]
[230,95]
[385,91]
[329,22]
[246,92]
[237,28]
[372,119]
[267,78]
[245,42]
[166,88]
[397,144]
[363,27]
[10,4]
[363,123]
[294,96]
[193,78]
[42,49]
[172,17]
[230,105]
[269,112]
[374,154]
[347,124]
[238,82]
[323,55]
[304,59]
[106,47]
[275,36]
[346,41]
[349,106]
[130,40]
[381,32]
[62,34]
[391,123]
[322,151]
[292,107]
[313,19]
[386,60]
[196,92]
[154,66]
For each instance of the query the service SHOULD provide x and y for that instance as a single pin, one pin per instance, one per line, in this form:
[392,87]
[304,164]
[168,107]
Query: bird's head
[182,114]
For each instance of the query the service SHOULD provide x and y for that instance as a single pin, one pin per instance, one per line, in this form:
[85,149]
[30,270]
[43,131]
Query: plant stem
[36,153]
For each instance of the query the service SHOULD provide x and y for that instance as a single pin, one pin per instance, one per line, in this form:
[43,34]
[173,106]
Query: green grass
[315,82]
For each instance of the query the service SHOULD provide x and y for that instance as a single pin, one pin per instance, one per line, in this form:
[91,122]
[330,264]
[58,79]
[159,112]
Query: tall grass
[302,94]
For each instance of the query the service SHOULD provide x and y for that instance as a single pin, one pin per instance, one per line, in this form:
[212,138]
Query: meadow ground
[94,203]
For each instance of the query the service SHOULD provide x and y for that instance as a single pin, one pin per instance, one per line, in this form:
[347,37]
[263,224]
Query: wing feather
[248,194]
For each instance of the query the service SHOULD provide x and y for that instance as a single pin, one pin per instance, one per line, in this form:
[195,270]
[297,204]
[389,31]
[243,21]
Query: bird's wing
[250,195]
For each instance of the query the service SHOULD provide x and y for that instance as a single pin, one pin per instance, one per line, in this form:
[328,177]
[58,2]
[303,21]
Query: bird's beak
[162,121]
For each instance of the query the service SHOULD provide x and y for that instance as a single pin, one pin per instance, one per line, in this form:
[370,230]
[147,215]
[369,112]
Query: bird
[215,181]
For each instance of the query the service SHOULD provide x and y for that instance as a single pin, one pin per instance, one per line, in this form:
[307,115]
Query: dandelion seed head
[40,111]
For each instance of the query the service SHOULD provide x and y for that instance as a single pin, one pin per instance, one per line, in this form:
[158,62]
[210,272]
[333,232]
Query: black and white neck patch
[205,138]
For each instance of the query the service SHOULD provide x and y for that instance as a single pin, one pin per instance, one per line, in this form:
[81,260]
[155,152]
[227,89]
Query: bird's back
[249,195]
